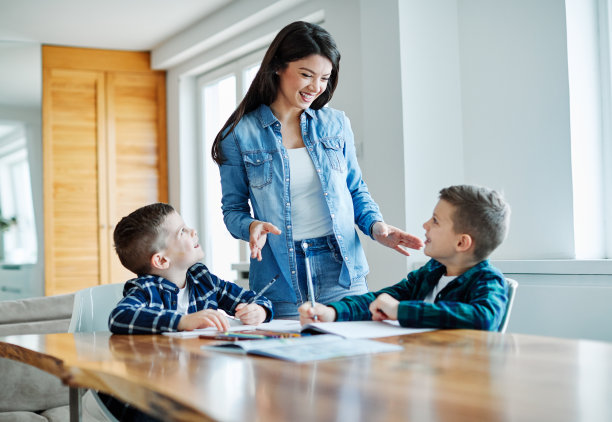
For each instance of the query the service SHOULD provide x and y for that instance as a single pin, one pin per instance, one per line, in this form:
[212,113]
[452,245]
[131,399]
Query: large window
[17,229]
[220,91]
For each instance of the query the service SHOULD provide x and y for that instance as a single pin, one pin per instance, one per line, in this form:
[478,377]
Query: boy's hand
[323,313]
[258,231]
[384,307]
[395,238]
[250,313]
[202,319]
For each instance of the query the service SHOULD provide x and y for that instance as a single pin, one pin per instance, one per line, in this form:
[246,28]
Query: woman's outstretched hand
[258,235]
[395,238]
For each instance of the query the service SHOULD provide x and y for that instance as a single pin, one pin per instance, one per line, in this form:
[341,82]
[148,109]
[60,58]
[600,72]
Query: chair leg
[76,408]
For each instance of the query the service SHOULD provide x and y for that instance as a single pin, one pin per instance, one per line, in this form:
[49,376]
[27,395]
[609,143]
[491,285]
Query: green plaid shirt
[476,299]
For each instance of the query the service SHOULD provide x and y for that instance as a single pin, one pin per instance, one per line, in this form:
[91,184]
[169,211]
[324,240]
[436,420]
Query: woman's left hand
[395,238]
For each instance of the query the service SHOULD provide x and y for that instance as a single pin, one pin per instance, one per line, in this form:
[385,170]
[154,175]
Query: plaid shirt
[150,302]
[476,299]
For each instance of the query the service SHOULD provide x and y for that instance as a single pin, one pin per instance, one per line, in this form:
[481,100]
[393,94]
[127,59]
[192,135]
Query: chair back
[92,307]
[512,286]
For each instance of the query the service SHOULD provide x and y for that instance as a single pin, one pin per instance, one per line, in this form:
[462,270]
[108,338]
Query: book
[361,329]
[306,348]
[346,329]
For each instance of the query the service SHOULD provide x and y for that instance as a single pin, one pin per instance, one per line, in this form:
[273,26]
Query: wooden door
[104,147]
[73,126]
[137,148]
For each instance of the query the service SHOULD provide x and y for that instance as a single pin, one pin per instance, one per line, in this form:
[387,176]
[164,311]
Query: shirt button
[290,249]
[292,272]
[288,204]
[289,226]
[325,193]
[318,170]
[333,216]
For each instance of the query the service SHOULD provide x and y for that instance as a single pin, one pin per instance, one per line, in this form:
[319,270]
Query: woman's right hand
[258,235]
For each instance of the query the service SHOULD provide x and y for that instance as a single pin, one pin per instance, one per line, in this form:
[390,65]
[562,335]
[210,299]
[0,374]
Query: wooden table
[458,375]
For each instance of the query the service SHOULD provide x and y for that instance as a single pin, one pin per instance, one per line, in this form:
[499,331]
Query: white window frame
[238,68]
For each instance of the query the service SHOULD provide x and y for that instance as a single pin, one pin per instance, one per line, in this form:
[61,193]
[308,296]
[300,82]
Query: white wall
[515,99]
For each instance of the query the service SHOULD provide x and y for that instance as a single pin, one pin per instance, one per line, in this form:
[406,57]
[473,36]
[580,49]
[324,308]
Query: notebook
[305,348]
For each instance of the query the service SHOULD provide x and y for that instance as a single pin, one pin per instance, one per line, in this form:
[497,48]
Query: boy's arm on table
[230,295]
[356,308]
[485,306]
[135,315]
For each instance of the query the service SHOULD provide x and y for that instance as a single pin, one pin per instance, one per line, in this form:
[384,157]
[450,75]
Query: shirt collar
[267,118]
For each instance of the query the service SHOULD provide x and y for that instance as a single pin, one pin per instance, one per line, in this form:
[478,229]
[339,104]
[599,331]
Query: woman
[294,161]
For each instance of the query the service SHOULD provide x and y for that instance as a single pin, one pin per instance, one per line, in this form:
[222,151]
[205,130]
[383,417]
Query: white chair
[90,312]
[512,286]
[92,306]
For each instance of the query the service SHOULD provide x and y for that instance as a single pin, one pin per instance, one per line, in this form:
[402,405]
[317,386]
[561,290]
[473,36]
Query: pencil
[266,287]
[311,296]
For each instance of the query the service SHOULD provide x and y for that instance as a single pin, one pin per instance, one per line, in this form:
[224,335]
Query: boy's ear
[160,261]
[464,243]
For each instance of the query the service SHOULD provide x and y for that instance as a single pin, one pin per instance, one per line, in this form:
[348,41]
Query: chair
[90,312]
[92,306]
[512,286]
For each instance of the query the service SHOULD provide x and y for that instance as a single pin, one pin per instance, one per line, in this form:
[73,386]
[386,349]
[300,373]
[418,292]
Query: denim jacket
[256,169]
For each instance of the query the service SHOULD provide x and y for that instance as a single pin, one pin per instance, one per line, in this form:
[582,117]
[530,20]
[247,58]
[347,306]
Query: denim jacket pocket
[334,150]
[258,167]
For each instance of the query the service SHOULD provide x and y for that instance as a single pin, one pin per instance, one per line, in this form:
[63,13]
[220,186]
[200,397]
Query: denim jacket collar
[267,118]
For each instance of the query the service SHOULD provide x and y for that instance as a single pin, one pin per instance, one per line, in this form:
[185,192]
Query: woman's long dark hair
[294,42]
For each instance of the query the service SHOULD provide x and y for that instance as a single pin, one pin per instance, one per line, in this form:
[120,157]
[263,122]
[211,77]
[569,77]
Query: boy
[458,287]
[173,291]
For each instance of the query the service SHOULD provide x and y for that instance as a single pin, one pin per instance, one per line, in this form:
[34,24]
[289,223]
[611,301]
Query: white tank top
[309,212]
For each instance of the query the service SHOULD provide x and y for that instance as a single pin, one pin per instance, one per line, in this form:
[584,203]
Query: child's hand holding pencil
[316,313]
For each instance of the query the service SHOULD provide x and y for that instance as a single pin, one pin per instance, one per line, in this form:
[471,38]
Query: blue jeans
[325,265]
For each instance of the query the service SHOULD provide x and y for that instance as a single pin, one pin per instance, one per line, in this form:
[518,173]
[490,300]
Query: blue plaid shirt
[476,299]
[150,302]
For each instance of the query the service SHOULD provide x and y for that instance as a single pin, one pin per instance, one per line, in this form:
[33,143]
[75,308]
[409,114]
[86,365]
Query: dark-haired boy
[173,290]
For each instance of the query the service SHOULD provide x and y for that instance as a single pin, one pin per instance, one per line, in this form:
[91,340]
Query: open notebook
[345,329]
[304,349]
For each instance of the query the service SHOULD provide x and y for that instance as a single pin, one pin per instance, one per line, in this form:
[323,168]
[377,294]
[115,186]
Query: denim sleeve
[134,314]
[234,190]
[482,311]
[366,210]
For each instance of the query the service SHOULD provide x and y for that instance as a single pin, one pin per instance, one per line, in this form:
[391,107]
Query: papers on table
[345,329]
[362,329]
[235,325]
[303,349]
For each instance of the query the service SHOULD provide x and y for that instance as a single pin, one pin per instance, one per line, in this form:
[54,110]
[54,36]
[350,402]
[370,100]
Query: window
[219,92]
[18,234]
[588,38]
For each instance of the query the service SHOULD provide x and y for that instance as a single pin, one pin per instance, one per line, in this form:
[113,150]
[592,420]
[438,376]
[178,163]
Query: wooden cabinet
[104,155]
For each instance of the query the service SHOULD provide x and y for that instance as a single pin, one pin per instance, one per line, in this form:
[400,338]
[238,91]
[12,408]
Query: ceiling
[139,25]
[111,24]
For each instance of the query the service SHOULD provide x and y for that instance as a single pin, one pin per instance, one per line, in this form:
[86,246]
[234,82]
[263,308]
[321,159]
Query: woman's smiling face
[302,81]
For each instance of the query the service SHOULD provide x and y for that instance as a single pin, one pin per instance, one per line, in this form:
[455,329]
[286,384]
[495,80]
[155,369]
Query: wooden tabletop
[458,375]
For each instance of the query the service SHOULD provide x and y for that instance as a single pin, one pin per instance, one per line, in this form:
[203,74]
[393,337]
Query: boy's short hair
[480,212]
[138,236]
